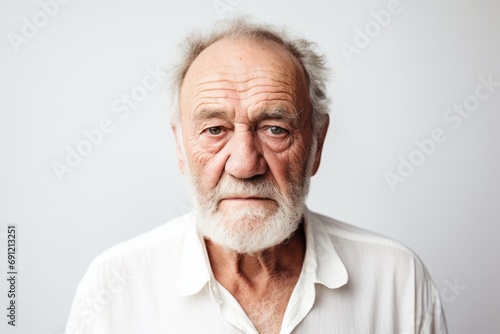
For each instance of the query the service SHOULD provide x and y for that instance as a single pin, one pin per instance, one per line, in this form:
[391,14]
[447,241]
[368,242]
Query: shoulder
[384,273]
[368,253]
[355,236]
[152,252]
[167,235]
[118,275]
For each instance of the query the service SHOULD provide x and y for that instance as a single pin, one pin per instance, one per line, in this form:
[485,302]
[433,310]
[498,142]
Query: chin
[248,231]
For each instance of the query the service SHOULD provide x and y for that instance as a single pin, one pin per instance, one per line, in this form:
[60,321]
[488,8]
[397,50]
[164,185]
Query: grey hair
[241,28]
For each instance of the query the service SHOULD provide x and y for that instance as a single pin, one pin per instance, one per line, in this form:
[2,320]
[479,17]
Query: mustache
[231,187]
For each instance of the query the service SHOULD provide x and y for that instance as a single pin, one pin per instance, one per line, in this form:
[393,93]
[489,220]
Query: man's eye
[214,130]
[276,130]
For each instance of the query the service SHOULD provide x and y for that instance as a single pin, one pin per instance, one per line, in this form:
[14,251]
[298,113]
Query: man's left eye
[214,130]
[276,130]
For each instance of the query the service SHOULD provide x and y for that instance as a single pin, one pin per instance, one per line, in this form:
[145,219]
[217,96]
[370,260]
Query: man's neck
[282,260]
[262,283]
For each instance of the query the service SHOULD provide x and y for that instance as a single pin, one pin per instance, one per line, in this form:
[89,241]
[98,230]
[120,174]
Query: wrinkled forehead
[245,63]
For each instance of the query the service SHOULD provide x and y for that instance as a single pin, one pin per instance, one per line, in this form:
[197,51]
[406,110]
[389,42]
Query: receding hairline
[299,73]
[259,41]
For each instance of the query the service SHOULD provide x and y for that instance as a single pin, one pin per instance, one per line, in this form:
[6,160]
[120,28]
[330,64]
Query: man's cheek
[210,167]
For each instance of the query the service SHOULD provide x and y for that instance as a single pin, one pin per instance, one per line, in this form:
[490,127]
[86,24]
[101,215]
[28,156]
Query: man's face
[247,143]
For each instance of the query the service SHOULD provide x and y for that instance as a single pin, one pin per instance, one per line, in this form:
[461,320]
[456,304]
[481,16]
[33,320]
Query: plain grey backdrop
[399,81]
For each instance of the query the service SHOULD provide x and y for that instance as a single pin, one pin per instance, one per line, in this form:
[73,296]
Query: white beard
[250,229]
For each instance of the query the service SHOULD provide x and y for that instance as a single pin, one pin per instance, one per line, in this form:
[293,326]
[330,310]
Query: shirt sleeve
[429,317]
[98,305]
[83,317]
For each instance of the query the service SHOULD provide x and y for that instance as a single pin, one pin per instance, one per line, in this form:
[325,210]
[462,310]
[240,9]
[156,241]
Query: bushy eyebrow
[279,114]
[283,114]
[207,114]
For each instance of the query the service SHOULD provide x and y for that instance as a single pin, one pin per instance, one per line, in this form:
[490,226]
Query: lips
[244,198]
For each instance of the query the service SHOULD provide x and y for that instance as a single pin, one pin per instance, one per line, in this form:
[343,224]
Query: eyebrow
[266,114]
[280,114]
[206,114]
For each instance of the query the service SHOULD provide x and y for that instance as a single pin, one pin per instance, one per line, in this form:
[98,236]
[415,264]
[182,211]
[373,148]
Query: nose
[245,159]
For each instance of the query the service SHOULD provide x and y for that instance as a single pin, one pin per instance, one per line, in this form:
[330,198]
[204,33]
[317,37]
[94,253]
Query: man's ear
[321,141]
[178,143]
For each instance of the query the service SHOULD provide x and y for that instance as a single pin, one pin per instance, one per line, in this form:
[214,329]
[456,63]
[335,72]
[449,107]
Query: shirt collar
[194,265]
[322,263]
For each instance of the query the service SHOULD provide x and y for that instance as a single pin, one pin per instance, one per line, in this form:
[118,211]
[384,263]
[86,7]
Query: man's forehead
[235,60]
[244,77]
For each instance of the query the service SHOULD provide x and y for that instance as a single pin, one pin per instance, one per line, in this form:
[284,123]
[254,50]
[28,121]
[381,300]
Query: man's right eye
[214,130]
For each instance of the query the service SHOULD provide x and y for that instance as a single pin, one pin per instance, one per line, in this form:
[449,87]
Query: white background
[65,78]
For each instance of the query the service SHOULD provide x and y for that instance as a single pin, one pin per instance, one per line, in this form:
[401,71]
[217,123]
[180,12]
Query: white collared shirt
[352,281]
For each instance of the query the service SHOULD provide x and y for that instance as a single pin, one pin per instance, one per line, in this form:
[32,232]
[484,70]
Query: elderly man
[250,124]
